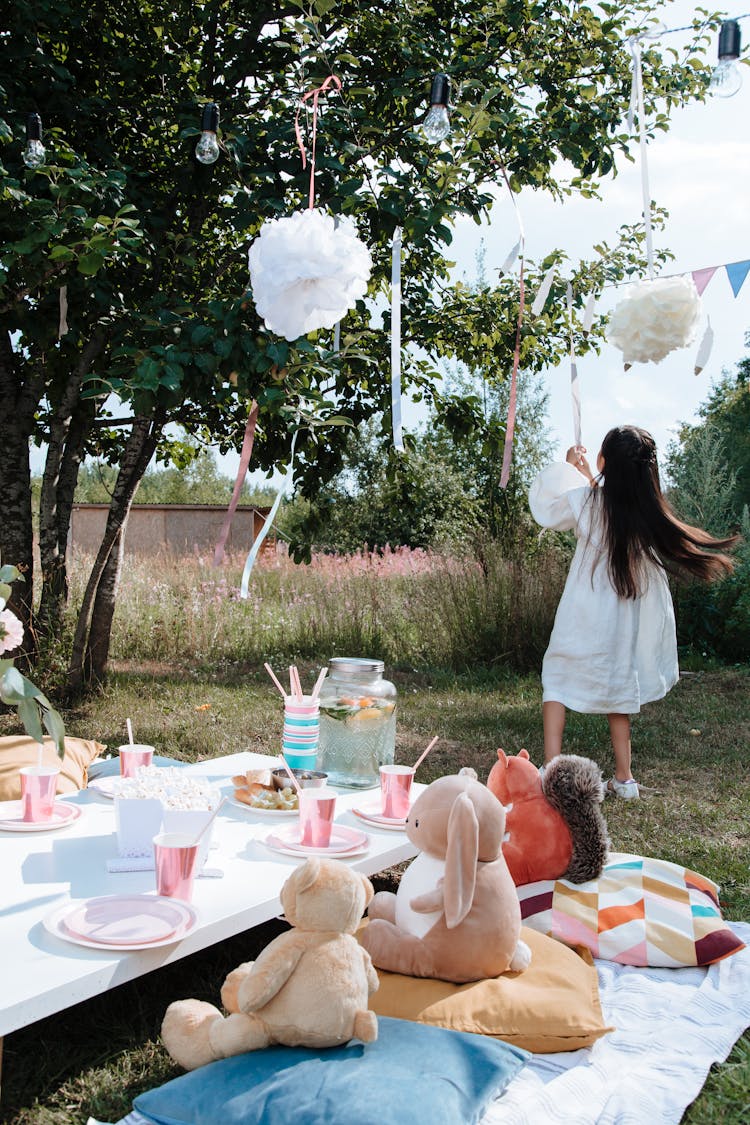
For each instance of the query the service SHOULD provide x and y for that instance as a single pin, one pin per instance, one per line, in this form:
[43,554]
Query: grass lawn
[691,749]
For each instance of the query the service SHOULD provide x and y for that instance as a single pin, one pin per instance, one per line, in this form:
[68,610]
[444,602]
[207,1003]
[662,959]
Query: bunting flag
[737,272]
[702,278]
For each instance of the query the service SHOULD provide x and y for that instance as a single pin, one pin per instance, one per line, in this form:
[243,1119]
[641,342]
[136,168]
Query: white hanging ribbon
[575,389]
[704,350]
[588,314]
[636,100]
[510,261]
[258,541]
[337,337]
[541,297]
[398,434]
[63,325]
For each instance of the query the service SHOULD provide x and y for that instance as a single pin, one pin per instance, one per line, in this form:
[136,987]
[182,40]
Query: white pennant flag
[704,351]
[543,294]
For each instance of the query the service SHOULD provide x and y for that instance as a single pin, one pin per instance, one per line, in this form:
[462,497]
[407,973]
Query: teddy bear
[309,987]
[555,825]
[456,915]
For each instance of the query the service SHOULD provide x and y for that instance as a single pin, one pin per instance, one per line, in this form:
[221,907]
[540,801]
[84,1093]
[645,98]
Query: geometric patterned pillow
[639,911]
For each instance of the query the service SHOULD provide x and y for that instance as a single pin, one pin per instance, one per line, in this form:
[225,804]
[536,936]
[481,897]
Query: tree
[123,260]
[382,500]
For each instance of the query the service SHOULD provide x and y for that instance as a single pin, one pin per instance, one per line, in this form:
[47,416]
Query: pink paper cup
[317,808]
[38,789]
[395,791]
[306,708]
[175,862]
[132,756]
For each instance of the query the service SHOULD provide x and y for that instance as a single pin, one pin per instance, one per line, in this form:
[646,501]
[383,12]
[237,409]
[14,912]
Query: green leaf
[14,687]
[11,574]
[5,592]
[28,713]
[90,264]
[56,729]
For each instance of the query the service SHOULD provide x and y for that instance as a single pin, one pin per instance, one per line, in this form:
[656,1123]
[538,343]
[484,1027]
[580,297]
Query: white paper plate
[11,815]
[105,786]
[263,812]
[54,923]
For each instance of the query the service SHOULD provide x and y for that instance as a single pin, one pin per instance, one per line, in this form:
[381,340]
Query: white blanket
[672,1025]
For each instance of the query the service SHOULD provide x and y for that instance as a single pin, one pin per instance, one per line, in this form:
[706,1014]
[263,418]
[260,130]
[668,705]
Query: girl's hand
[576,457]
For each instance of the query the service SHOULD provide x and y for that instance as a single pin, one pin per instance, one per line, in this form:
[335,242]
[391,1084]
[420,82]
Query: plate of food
[257,791]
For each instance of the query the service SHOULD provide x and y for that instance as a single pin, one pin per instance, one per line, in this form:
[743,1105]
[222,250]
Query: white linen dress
[606,654]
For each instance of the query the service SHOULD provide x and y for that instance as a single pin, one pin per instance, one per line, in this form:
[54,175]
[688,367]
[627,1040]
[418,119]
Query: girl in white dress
[613,646]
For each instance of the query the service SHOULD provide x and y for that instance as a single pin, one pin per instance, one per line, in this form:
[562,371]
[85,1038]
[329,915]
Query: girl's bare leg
[553,719]
[619,732]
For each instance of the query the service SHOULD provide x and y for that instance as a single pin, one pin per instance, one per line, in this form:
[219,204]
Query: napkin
[146,863]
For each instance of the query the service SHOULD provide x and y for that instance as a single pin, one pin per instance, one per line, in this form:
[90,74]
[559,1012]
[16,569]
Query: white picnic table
[41,974]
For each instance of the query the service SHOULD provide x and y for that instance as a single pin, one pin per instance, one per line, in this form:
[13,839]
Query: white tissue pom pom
[306,272]
[654,318]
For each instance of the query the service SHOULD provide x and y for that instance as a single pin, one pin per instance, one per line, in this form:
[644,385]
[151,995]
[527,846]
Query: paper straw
[319,683]
[275,678]
[285,764]
[294,683]
[39,752]
[129,725]
[424,754]
[209,822]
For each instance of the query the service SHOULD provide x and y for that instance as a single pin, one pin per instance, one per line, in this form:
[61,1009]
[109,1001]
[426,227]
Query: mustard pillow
[20,750]
[552,1006]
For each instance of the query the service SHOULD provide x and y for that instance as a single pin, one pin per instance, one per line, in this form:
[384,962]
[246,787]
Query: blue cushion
[411,1073]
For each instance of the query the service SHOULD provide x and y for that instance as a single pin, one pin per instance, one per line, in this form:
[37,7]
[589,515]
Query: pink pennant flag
[702,278]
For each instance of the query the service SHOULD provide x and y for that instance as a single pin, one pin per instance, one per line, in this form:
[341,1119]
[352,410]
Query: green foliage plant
[33,707]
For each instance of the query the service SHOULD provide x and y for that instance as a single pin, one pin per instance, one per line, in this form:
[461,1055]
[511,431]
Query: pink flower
[11,631]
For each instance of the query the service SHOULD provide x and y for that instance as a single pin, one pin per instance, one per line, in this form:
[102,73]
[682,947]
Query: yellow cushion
[552,1006]
[20,750]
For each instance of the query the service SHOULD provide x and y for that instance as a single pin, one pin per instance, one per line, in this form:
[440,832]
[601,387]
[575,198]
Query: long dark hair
[639,523]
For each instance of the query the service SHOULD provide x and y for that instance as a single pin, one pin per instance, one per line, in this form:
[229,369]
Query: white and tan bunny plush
[456,915]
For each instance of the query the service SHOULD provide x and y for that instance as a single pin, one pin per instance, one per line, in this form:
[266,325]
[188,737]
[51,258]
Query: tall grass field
[462,639]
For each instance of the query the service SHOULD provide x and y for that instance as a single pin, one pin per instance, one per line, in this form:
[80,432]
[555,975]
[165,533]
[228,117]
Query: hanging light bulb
[727,77]
[207,149]
[436,125]
[34,154]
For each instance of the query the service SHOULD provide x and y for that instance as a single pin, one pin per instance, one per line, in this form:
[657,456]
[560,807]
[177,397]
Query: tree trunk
[96,613]
[20,392]
[69,428]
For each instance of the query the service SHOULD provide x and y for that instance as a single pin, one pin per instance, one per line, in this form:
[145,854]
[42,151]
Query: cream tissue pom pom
[654,318]
[306,271]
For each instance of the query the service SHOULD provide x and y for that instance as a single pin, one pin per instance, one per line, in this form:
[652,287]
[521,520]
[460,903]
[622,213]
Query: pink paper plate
[115,921]
[62,815]
[126,919]
[371,814]
[343,840]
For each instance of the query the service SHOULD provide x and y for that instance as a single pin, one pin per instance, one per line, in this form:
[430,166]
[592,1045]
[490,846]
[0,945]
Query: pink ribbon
[246,453]
[331,80]
[511,423]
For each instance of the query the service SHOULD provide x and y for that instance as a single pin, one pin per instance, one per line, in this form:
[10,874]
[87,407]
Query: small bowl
[307,779]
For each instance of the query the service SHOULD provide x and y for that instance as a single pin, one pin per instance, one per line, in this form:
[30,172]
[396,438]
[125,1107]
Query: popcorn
[174,787]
